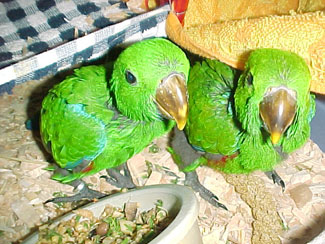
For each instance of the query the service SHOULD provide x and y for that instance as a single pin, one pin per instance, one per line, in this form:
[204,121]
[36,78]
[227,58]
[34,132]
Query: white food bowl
[179,201]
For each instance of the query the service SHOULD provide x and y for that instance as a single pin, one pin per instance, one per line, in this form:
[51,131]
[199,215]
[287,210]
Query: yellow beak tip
[180,125]
[275,138]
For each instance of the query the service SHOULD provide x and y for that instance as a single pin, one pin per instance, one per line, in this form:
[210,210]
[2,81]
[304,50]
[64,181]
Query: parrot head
[149,81]
[272,92]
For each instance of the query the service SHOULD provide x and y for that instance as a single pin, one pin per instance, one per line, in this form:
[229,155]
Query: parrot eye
[249,79]
[130,77]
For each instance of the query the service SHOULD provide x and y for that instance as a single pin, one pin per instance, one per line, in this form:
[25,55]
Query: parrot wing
[211,126]
[74,115]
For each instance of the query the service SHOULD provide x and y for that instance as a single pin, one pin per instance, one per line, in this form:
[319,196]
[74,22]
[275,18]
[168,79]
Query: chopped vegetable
[115,225]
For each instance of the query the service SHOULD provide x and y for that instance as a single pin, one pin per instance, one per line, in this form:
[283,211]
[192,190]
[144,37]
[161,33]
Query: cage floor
[253,201]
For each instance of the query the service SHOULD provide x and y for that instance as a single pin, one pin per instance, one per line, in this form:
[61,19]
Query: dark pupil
[130,77]
[249,79]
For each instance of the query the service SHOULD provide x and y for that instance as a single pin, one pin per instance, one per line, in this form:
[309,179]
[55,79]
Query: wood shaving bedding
[25,185]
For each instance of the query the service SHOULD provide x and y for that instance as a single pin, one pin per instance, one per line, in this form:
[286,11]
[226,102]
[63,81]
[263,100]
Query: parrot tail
[33,123]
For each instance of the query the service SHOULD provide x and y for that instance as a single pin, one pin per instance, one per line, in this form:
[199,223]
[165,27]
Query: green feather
[210,92]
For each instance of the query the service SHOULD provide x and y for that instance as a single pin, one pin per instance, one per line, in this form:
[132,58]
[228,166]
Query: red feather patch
[221,162]
[88,168]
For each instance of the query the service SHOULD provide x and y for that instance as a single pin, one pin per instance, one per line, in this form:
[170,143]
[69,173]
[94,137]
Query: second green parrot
[242,122]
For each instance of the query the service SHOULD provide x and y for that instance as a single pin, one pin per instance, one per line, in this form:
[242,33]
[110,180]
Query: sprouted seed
[114,226]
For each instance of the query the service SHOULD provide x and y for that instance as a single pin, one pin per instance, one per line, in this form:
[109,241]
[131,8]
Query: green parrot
[242,122]
[97,118]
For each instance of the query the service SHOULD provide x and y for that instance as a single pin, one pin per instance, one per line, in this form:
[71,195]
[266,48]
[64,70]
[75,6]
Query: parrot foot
[273,175]
[192,180]
[84,193]
[119,180]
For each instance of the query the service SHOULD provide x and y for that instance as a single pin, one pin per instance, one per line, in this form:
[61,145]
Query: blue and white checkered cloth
[30,27]
[42,37]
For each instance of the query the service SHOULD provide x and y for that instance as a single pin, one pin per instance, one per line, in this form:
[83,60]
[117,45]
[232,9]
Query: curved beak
[278,110]
[171,98]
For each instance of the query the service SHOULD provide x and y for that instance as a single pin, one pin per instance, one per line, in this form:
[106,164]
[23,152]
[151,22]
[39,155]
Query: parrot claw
[119,180]
[273,175]
[84,193]
[191,179]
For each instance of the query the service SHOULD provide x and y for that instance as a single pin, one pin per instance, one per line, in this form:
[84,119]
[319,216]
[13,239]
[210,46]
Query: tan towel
[230,35]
